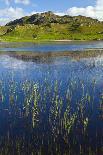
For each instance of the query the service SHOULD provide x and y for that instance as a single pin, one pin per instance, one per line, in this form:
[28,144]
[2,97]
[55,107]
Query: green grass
[35,33]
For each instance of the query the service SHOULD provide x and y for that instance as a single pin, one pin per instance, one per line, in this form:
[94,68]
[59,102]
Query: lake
[50,46]
[51,98]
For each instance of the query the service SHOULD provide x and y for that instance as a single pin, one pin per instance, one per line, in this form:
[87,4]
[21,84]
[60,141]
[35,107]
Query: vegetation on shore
[48,26]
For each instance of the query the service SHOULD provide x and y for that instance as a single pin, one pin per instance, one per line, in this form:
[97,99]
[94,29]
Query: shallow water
[53,106]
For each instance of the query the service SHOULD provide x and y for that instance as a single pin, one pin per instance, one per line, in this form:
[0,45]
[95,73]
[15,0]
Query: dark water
[53,107]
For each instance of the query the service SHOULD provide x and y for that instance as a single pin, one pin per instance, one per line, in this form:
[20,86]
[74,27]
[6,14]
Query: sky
[15,9]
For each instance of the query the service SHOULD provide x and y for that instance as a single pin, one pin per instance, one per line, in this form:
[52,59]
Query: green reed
[62,114]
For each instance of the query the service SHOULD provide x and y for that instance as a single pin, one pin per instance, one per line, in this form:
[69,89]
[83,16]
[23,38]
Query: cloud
[60,13]
[89,11]
[10,13]
[25,2]
[3,21]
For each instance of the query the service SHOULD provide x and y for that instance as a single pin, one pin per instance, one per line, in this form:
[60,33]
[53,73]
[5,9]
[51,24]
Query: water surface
[51,104]
[51,46]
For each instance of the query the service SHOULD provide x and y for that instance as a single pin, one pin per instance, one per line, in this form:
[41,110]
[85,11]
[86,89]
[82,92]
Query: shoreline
[47,41]
[65,40]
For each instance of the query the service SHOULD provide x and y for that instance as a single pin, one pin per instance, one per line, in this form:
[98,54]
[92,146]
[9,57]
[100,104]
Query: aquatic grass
[46,116]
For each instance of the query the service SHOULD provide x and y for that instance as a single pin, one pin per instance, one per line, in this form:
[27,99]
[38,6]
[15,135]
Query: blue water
[48,47]
[80,79]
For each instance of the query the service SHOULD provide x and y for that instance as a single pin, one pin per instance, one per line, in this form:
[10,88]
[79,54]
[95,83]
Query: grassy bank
[52,32]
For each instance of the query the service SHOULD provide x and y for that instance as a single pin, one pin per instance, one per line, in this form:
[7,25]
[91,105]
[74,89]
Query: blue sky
[42,5]
[13,9]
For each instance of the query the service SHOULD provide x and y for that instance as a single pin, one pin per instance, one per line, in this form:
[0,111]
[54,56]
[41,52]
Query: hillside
[48,26]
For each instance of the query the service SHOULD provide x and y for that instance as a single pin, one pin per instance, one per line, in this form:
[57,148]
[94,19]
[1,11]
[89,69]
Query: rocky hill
[50,17]
[49,26]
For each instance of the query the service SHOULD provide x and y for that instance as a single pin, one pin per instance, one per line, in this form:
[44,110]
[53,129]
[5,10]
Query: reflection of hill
[45,56]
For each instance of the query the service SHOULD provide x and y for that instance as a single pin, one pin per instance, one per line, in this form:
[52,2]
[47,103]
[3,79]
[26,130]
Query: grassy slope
[54,31]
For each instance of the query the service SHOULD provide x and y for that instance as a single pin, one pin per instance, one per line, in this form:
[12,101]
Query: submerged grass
[40,120]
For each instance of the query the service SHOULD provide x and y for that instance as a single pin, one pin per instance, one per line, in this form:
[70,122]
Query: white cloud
[60,13]
[89,11]
[4,21]
[25,2]
[10,13]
